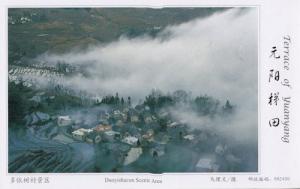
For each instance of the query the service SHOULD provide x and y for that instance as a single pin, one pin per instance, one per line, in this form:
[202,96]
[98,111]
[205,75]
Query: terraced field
[35,152]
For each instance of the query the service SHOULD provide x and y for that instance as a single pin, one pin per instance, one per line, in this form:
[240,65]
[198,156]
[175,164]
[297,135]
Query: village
[126,136]
[136,129]
[137,132]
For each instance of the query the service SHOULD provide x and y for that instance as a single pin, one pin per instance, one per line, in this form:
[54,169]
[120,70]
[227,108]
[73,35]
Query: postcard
[151,94]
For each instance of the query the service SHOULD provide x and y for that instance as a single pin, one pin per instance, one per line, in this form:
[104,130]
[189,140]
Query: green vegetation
[156,101]
[21,103]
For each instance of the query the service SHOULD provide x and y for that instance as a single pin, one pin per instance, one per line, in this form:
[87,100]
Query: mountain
[32,31]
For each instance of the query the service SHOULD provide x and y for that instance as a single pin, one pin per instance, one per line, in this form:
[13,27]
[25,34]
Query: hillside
[35,31]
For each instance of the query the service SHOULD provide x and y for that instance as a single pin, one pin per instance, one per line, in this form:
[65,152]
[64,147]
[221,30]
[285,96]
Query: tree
[117,99]
[155,154]
[18,104]
[129,101]
[163,124]
[180,135]
[122,101]
[164,101]
[181,96]
[205,105]
[151,102]
[227,108]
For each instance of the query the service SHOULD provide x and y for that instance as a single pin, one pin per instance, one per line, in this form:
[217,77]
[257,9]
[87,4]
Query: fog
[240,128]
[216,56]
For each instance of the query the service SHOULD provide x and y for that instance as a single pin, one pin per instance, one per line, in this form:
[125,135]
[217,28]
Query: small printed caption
[268,179]
[29,180]
[134,180]
[223,179]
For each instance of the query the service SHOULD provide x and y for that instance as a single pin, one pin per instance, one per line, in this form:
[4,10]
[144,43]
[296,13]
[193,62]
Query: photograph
[133,89]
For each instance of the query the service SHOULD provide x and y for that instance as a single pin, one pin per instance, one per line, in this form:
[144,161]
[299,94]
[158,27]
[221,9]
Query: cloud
[216,56]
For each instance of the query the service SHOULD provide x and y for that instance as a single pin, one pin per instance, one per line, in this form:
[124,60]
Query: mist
[216,56]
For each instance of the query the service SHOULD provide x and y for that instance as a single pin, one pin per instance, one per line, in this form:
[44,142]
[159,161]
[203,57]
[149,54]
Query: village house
[148,136]
[119,123]
[102,128]
[134,118]
[117,115]
[93,138]
[80,134]
[177,132]
[148,119]
[125,110]
[189,137]
[64,121]
[111,136]
[154,118]
[131,140]
[124,117]
[173,125]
